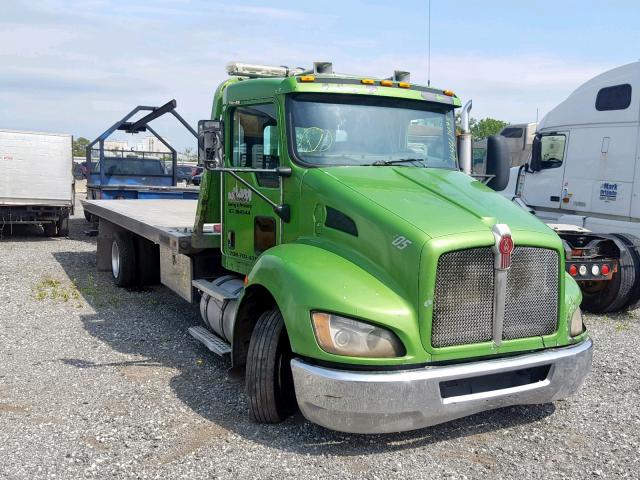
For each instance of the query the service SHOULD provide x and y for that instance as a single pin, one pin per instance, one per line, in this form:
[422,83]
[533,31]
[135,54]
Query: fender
[303,278]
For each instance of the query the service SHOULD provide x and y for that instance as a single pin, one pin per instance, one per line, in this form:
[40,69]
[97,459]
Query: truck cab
[341,201]
[342,259]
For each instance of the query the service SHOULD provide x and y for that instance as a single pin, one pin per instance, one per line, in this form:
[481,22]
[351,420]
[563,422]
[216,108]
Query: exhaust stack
[464,140]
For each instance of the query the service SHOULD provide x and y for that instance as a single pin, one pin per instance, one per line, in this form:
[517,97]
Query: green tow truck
[340,257]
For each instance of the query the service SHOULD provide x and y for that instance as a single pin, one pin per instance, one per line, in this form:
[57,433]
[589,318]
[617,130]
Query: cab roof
[241,89]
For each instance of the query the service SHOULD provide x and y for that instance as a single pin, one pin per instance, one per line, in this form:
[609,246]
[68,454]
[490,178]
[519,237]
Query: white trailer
[36,180]
[584,180]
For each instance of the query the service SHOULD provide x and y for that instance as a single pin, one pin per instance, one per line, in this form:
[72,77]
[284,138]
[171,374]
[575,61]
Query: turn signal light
[404,84]
[386,83]
[307,78]
[368,81]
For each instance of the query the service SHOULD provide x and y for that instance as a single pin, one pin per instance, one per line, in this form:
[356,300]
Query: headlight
[577,326]
[344,336]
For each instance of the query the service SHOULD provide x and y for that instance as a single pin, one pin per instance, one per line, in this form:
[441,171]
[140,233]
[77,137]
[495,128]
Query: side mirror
[498,162]
[535,164]
[210,144]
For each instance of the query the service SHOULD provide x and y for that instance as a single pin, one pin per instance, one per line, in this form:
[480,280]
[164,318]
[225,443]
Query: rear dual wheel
[622,292]
[123,260]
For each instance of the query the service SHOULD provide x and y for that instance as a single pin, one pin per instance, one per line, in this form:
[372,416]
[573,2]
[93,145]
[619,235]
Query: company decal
[608,191]
[242,256]
[239,195]
[6,157]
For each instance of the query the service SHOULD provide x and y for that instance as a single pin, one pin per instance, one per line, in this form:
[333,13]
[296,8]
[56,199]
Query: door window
[256,141]
[552,150]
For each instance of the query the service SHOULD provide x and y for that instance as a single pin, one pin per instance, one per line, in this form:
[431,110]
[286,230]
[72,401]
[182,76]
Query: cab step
[210,340]
[228,287]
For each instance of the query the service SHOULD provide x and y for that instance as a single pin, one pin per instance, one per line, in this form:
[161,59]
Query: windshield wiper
[399,160]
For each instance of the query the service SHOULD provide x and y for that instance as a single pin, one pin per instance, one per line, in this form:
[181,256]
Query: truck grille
[463,300]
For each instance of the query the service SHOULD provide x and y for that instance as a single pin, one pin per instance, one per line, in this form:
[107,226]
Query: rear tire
[269,381]
[50,229]
[123,260]
[63,227]
[615,294]
[632,244]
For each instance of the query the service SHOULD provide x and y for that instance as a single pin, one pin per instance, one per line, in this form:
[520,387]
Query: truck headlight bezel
[576,325]
[354,338]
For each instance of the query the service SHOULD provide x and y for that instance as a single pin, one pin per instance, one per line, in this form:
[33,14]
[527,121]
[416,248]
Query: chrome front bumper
[381,402]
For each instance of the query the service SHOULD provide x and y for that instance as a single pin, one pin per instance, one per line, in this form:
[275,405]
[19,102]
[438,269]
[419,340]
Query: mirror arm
[283,211]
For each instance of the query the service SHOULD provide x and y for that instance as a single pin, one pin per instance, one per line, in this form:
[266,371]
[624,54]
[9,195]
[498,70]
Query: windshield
[365,130]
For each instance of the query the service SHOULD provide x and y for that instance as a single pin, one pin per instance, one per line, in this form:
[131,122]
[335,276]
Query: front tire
[123,260]
[269,381]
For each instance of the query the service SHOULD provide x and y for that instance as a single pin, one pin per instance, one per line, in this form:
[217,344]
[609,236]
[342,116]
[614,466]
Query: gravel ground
[101,382]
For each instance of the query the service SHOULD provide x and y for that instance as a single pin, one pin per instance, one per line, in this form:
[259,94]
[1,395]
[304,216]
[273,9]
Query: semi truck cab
[582,179]
[344,261]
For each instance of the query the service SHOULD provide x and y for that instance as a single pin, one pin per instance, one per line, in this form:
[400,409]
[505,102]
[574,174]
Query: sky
[77,66]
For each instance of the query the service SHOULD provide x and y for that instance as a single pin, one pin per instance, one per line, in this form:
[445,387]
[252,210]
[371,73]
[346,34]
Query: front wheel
[269,381]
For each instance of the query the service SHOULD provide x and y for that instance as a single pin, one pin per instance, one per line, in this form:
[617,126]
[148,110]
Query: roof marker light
[449,93]
[404,84]
[368,81]
[386,83]
[307,78]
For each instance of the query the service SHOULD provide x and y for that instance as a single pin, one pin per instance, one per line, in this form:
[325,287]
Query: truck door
[544,188]
[249,224]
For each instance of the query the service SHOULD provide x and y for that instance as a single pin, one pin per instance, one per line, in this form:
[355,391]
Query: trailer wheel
[269,381]
[63,227]
[123,260]
[50,229]
[614,295]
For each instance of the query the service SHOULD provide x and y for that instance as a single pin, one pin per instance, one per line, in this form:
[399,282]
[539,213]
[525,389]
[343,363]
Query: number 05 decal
[401,242]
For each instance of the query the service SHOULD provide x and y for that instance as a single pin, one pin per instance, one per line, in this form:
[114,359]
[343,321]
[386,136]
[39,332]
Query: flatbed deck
[167,222]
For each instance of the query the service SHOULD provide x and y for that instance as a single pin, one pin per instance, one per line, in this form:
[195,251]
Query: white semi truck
[583,179]
[36,180]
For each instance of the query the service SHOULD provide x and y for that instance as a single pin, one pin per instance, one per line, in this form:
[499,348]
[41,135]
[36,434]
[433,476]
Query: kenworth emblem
[503,247]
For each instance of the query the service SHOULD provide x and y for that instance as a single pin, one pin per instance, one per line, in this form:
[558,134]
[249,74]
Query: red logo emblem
[505,247]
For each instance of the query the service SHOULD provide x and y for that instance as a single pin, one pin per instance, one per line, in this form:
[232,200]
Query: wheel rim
[115,259]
